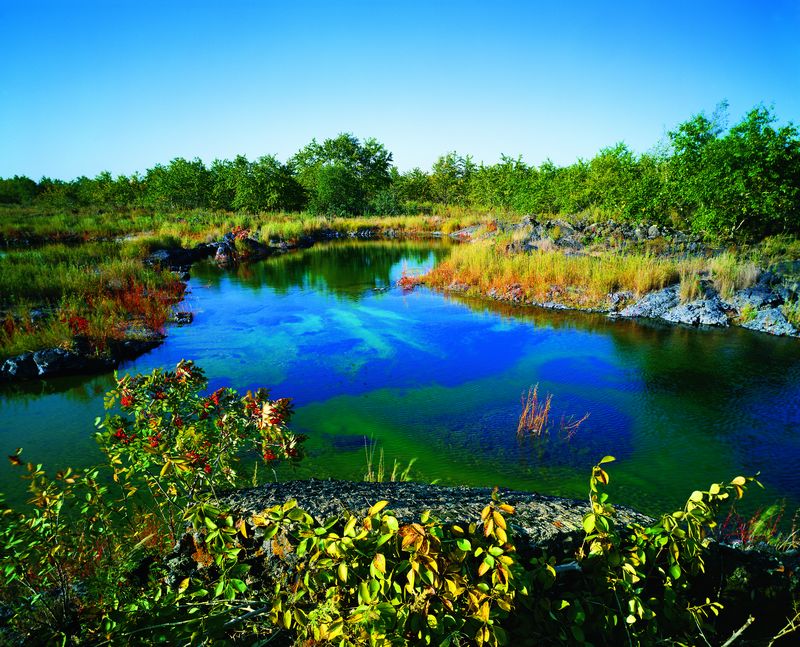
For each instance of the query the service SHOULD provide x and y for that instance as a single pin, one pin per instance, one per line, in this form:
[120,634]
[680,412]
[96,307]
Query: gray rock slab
[756,297]
[702,312]
[653,304]
[773,321]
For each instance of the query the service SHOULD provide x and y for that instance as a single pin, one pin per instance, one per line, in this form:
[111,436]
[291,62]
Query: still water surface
[439,379]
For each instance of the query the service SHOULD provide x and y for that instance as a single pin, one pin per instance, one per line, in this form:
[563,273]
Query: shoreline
[756,308]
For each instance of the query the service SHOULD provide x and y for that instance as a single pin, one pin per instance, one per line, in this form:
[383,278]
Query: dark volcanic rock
[539,520]
[20,367]
[756,297]
[179,257]
[51,362]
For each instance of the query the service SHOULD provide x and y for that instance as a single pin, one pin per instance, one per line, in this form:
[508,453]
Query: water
[439,379]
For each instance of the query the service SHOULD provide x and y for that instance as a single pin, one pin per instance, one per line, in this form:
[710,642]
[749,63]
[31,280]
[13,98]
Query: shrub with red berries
[184,442]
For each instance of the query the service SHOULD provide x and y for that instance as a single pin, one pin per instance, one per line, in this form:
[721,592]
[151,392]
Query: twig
[735,635]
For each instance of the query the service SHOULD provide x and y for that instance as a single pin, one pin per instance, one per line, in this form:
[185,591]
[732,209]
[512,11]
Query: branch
[735,635]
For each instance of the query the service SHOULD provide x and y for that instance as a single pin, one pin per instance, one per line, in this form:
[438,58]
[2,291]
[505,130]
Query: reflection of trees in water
[343,268]
[676,359]
[80,388]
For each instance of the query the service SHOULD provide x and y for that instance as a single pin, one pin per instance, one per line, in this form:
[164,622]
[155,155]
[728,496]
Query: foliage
[343,174]
[78,563]
[641,577]
[739,182]
[87,563]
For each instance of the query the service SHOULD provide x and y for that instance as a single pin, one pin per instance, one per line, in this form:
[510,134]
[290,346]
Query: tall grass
[579,281]
[96,291]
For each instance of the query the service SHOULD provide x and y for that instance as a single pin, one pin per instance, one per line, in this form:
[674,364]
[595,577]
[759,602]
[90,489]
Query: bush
[90,562]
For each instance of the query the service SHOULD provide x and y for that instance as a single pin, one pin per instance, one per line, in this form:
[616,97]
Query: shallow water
[439,379]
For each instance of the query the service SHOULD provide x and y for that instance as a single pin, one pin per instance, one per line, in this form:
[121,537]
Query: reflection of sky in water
[440,379]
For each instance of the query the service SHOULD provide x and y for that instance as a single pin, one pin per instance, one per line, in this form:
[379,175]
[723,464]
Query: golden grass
[578,281]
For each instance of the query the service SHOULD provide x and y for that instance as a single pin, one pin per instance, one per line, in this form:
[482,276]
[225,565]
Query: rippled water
[439,379]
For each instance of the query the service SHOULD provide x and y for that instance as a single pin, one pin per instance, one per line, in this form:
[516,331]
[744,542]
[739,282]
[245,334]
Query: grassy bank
[22,225]
[58,295]
[583,281]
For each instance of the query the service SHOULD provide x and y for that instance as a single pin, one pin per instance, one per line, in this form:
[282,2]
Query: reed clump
[534,420]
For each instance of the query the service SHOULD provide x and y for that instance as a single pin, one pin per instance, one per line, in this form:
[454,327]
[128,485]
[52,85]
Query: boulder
[709,311]
[51,362]
[654,304]
[20,367]
[772,321]
[758,296]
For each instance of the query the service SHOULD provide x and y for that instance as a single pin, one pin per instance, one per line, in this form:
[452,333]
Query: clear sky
[88,86]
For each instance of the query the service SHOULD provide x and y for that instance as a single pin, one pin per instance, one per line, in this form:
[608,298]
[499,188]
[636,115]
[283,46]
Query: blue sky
[88,86]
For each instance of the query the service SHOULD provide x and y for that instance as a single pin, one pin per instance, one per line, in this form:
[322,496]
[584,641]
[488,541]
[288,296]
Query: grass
[791,311]
[376,473]
[577,281]
[534,421]
[585,281]
[95,292]
[26,224]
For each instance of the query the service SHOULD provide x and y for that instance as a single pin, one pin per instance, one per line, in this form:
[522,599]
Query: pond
[439,379]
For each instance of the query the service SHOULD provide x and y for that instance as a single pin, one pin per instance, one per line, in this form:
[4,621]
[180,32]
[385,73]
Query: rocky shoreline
[758,307]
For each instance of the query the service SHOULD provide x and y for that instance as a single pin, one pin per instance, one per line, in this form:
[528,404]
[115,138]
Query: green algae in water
[439,379]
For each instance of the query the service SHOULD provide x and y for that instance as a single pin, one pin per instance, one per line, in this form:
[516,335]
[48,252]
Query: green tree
[745,182]
[361,167]
[18,190]
[267,185]
[450,178]
[182,184]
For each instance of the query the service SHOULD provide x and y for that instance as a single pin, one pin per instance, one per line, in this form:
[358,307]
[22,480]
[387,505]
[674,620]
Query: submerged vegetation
[91,561]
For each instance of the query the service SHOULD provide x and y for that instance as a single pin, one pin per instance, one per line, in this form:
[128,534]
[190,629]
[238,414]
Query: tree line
[742,180]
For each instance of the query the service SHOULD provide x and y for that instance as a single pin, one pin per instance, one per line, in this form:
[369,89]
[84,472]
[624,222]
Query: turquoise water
[440,379]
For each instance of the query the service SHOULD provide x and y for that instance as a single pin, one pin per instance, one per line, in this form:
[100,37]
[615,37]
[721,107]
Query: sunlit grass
[93,291]
[579,281]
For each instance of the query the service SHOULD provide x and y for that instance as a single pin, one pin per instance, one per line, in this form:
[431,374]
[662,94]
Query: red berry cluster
[123,437]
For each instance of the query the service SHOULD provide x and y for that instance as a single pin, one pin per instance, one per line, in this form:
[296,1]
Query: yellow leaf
[739,480]
[498,520]
[379,561]
[380,505]
[183,585]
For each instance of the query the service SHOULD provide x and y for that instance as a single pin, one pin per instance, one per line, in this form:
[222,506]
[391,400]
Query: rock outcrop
[538,521]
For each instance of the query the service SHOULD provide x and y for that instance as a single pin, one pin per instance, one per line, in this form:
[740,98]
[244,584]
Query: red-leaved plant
[183,444]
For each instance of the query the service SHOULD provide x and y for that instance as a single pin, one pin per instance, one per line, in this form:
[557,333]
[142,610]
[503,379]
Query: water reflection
[345,269]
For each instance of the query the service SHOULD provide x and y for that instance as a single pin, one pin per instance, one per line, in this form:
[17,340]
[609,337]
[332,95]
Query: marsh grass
[97,292]
[578,281]
[534,421]
[376,472]
[730,273]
